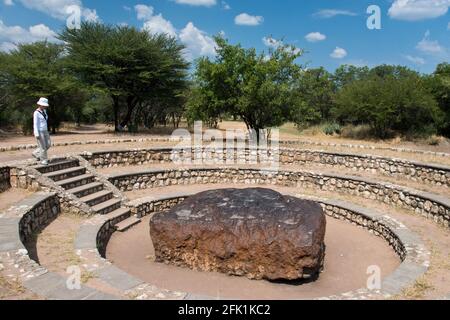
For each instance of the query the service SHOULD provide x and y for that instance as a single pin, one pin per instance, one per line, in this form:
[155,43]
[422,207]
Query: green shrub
[389,104]
[27,124]
[332,128]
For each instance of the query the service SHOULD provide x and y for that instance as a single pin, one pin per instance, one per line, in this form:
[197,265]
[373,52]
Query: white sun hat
[43,102]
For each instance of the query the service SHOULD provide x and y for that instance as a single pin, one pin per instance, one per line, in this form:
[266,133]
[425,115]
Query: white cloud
[338,53]
[143,11]
[226,6]
[12,35]
[275,44]
[59,8]
[330,13]
[204,3]
[430,47]
[197,42]
[315,37]
[413,10]
[271,42]
[8,2]
[7,46]
[90,15]
[244,19]
[415,60]
[157,25]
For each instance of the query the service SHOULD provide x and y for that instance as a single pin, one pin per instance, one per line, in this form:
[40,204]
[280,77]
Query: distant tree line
[269,90]
[130,78]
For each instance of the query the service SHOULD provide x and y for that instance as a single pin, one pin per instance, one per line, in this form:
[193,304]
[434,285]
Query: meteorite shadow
[299,282]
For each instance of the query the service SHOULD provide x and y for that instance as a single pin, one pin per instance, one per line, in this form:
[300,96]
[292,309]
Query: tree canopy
[242,83]
[36,70]
[129,65]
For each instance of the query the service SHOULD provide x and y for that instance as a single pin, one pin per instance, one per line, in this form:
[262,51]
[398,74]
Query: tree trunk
[131,104]
[116,113]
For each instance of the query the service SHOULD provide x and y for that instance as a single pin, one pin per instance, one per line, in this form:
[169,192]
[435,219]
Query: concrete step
[76,181]
[107,206]
[87,189]
[57,165]
[65,173]
[97,198]
[127,224]
[119,214]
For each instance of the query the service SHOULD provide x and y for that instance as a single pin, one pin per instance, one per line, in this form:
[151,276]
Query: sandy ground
[54,250]
[11,197]
[350,251]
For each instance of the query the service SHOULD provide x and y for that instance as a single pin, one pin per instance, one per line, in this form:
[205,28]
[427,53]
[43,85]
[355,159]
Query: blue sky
[415,33]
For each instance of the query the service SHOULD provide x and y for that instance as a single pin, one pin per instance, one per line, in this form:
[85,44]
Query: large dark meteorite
[257,233]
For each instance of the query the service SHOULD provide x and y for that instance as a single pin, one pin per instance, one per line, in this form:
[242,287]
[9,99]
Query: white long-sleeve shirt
[39,122]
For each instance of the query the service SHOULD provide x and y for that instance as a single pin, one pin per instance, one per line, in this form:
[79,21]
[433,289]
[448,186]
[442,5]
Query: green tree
[389,102]
[347,74]
[38,70]
[127,64]
[254,87]
[317,88]
[439,85]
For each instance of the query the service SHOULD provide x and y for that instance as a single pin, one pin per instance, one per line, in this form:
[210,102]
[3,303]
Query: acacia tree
[129,65]
[241,82]
[36,70]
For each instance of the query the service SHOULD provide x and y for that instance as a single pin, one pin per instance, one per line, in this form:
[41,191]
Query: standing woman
[40,129]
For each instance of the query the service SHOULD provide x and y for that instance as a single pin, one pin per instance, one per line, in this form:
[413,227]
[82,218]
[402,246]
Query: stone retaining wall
[39,217]
[106,231]
[5,182]
[430,174]
[428,205]
[19,226]
[23,221]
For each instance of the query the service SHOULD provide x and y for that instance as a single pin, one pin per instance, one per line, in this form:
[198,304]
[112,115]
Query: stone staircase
[69,175]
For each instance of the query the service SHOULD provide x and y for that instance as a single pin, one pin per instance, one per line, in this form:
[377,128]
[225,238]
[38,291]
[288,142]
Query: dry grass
[417,291]
[86,276]
[10,288]
[55,243]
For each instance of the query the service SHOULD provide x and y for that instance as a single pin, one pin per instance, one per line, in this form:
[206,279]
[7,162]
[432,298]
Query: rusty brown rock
[257,233]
